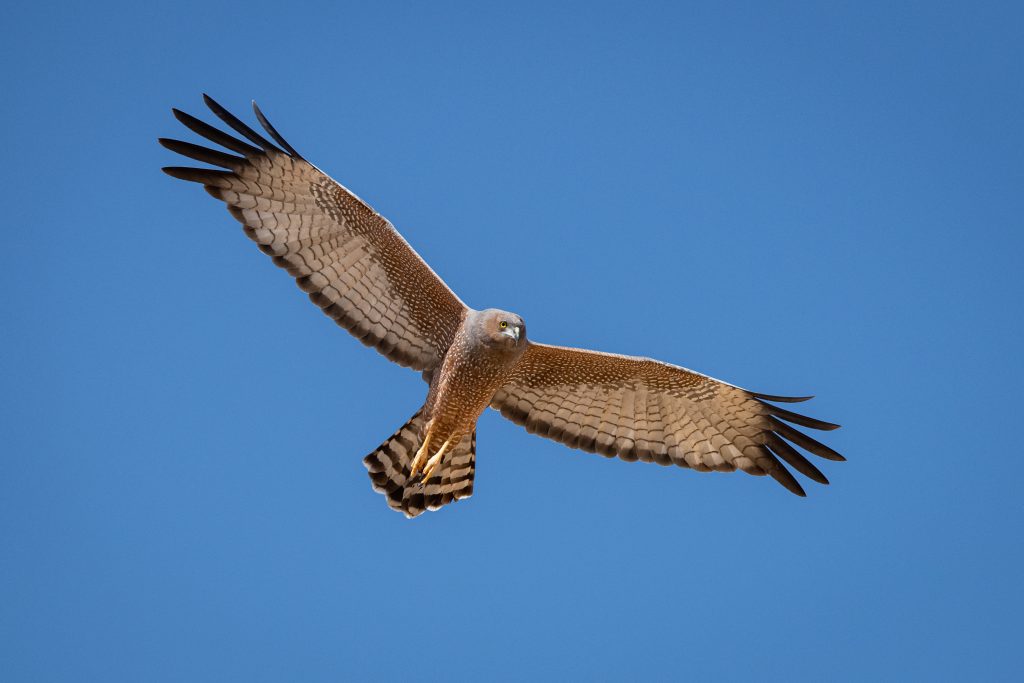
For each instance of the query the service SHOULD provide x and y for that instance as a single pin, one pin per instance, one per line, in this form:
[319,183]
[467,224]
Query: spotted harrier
[360,271]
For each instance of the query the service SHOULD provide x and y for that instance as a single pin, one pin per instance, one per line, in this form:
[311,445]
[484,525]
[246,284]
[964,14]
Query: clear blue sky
[793,198]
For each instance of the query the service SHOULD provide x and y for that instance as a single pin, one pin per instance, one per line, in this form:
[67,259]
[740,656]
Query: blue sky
[796,198]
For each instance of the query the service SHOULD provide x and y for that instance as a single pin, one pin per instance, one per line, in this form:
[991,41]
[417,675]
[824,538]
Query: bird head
[501,328]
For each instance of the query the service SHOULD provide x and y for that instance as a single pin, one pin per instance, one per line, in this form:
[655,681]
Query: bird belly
[464,391]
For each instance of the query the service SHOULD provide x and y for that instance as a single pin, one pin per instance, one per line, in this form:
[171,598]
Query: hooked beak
[512,331]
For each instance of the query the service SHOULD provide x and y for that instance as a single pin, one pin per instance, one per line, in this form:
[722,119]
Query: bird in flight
[360,271]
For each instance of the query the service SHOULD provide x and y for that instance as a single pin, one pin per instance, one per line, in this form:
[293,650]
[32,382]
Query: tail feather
[390,463]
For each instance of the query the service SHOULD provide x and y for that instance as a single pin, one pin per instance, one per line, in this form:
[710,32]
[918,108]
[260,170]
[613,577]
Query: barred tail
[389,471]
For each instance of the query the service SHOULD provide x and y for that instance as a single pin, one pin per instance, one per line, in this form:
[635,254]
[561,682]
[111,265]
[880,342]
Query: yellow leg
[435,461]
[421,456]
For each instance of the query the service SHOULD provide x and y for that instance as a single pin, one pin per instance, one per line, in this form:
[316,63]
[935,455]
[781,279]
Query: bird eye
[503,324]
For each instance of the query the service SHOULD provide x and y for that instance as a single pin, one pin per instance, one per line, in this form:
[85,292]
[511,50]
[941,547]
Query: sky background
[792,197]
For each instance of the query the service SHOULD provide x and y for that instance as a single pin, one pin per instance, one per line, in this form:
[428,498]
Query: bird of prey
[360,271]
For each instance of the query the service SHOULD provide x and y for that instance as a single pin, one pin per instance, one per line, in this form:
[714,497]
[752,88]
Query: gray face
[497,329]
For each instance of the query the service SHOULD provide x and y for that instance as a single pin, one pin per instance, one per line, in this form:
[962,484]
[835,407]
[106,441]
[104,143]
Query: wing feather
[643,409]
[350,260]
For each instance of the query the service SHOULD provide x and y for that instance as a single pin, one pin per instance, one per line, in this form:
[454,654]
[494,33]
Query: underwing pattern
[360,271]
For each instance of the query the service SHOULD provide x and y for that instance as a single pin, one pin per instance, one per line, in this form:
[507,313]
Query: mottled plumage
[360,271]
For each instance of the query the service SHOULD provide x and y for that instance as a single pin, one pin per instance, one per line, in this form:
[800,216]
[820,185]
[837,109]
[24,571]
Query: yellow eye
[503,324]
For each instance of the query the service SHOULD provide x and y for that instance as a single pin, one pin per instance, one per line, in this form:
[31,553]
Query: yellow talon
[421,457]
[435,461]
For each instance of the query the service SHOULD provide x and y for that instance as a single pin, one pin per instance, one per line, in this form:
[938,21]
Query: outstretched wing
[642,409]
[351,260]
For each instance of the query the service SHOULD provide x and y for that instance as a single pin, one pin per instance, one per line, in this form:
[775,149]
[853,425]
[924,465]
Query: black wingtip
[179,172]
[803,441]
[206,176]
[780,474]
[212,103]
[797,418]
[781,399]
[238,126]
[783,450]
[215,135]
[267,126]
[204,154]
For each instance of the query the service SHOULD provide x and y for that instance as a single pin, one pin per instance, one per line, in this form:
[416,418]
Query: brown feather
[351,261]
[641,409]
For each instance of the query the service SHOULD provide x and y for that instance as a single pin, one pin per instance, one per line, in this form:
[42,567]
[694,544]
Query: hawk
[360,271]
